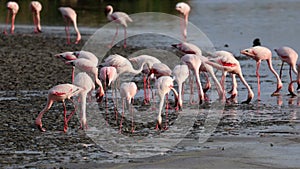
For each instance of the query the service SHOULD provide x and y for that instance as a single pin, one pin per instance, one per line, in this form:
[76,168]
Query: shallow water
[23,95]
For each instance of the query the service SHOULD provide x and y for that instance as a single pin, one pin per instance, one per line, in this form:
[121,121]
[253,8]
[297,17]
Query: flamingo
[89,67]
[36,8]
[290,56]
[259,53]
[189,48]
[194,62]
[84,81]
[149,61]
[290,87]
[127,92]
[69,16]
[12,9]
[108,74]
[69,56]
[120,18]
[184,9]
[59,93]
[180,74]
[164,86]
[226,62]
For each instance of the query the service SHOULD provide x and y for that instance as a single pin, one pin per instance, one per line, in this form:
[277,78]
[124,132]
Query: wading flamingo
[59,93]
[36,8]
[184,9]
[127,92]
[12,9]
[84,81]
[120,18]
[149,61]
[227,63]
[164,85]
[290,56]
[259,53]
[69,16]
[180,74]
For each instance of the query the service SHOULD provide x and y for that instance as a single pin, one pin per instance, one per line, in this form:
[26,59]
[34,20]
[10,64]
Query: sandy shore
[28,68]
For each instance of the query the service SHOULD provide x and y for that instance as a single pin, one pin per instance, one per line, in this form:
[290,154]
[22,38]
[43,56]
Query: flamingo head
[66,56]
[158,123]
[248,52]
[108,9]
[183,8]
[100,94]
[39,124]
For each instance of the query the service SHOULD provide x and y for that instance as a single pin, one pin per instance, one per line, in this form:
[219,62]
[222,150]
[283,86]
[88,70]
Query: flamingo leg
[125,36]
[132,121]
[146,98]
[123,109]
[7,20]
[280,72]
[113,39]
[258,79]
[65,117]
[167,108]
[290,72]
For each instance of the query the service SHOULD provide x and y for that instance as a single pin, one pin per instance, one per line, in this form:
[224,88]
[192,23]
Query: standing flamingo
[259,53]
[194,62]
[108,74]
[290,56]
[119,18]
[149,60]
[180,74]
[69,16]
[36,8]
[164,86]
[227,63]
[184,9]
[12,9]
[90,68]
[59,93]
[189,48]
[84,81]
[69,56]
[127,92]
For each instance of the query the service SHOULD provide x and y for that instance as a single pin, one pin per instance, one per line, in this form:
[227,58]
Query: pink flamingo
[149,61]
[90,68]
[290,87]
[164,86]
[69,16]
[160,69]
[119,18]
[59,93]
[189,48]
[84,81]
[36,8]
[194,62]
[259,53]
[180,74]
[290,56]
[127,92]
[108,74]
[227,63]
[12,9]
[69,56]
[184,9]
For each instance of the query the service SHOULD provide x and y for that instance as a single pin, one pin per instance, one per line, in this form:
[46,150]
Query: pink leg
[132,121]
[146,99]
[65,118]
[123,109]
[167,108]
[12,28]
[113,39]
[258,80]
[280,72]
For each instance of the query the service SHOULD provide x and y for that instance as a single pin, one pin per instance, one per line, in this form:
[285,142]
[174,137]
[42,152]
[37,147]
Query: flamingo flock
[193,62]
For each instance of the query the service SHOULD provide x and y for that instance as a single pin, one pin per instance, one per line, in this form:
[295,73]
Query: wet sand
[28,70]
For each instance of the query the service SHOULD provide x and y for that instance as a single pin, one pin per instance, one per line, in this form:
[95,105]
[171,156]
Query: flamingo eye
[247,50]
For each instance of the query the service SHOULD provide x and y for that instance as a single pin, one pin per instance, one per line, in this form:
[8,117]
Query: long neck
[138,70]
[279,83]
[83,108]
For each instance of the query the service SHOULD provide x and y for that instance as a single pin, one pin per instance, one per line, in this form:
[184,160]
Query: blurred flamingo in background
[184,9]
[259,53]
[180,74]
[227,63]
[290,56]
[36,8]
[84,81]
[12,9]
[69,16]
[120,18]
[59,93]
[164,85]
[127,92]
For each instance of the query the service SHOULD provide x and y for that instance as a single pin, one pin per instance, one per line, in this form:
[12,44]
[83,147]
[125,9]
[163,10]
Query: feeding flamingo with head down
[259,53]
[227,63]
[70,16]
[184,9]
[12,9]
[127,92]
[57,93]
[120,18]
[36,8]
[84,81]
[180,74]
[290,56]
